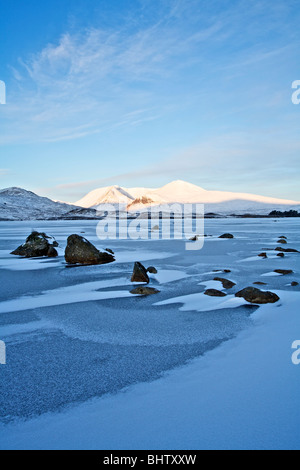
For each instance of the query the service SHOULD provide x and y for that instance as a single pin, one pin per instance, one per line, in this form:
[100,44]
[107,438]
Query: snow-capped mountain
[20,204]
[221,202]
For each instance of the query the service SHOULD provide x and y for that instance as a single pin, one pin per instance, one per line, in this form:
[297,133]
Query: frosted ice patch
[67,295]
[168,275]
[203,303]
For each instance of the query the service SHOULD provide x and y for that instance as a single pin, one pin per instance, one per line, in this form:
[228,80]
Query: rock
[281,255]
[214,293]
[284,272]
[286,250]
[227,271]
[109,251]
[282,237]
[294,284]
[256,296]
[52,253]
[194,239]
[139,273]
[226,235]
[263,255]
[225,282]
[282,241]
[37,245]
[259,283]
[80,251]
[152,270]
[144,290]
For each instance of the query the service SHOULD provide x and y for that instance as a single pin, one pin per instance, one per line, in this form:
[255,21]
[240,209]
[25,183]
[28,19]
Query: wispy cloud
[96,80]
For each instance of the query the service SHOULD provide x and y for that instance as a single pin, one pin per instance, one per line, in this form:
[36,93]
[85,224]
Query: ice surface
[85,357]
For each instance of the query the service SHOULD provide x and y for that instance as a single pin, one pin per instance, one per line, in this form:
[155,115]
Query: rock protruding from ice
[226,283]
[284,272]
[37,245]
[139,273]
[152,270]
[214,293]
[286,250]
[257,296]
[80,251]
[144,290]
[226,235]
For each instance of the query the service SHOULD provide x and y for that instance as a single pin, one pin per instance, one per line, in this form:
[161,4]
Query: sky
[143,92]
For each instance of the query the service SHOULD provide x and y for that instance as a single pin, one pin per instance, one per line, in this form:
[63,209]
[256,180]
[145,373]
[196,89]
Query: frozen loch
[89,365]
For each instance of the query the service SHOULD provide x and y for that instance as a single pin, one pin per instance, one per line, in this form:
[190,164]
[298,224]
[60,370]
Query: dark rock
[144,290]
[280,255]
[194,239]
[109,251]
[282,241]
[80,251]
[52,253]
[259,283]
[282,237]
[294,284]
[226,235]
[263,255]
[256,296]
[221,270]
[152,270]
[225,282]
[286,250]
[139,273]
[37,245]
[284,272]
[214,293]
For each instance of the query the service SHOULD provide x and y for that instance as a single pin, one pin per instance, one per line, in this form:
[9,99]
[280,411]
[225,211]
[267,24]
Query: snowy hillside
[19,204]
[221,202]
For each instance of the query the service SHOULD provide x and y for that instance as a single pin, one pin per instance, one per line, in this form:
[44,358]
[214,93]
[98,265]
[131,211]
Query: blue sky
[143,92]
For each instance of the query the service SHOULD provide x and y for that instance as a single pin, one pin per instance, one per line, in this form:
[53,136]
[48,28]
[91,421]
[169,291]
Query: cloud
[3,172]
[93,81]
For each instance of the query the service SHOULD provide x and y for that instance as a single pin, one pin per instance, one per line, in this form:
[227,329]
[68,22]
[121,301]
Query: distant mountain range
[20,204]
[220,202]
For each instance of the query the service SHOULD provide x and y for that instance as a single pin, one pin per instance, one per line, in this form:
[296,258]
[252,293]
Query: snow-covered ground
[91,366]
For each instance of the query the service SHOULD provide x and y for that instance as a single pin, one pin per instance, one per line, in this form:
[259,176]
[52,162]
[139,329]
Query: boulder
[52,253]
[109,251]
[152,270]
[286,250]
[283,237]
[214,293]
[226,235]
[144,290]
[36,245]
[194,239]
[256,296]
[80,251]
[139,273]
[284,272]
[280,255]
[282,241]
[225,282]
[263,255]
[294,284]
[259,283]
